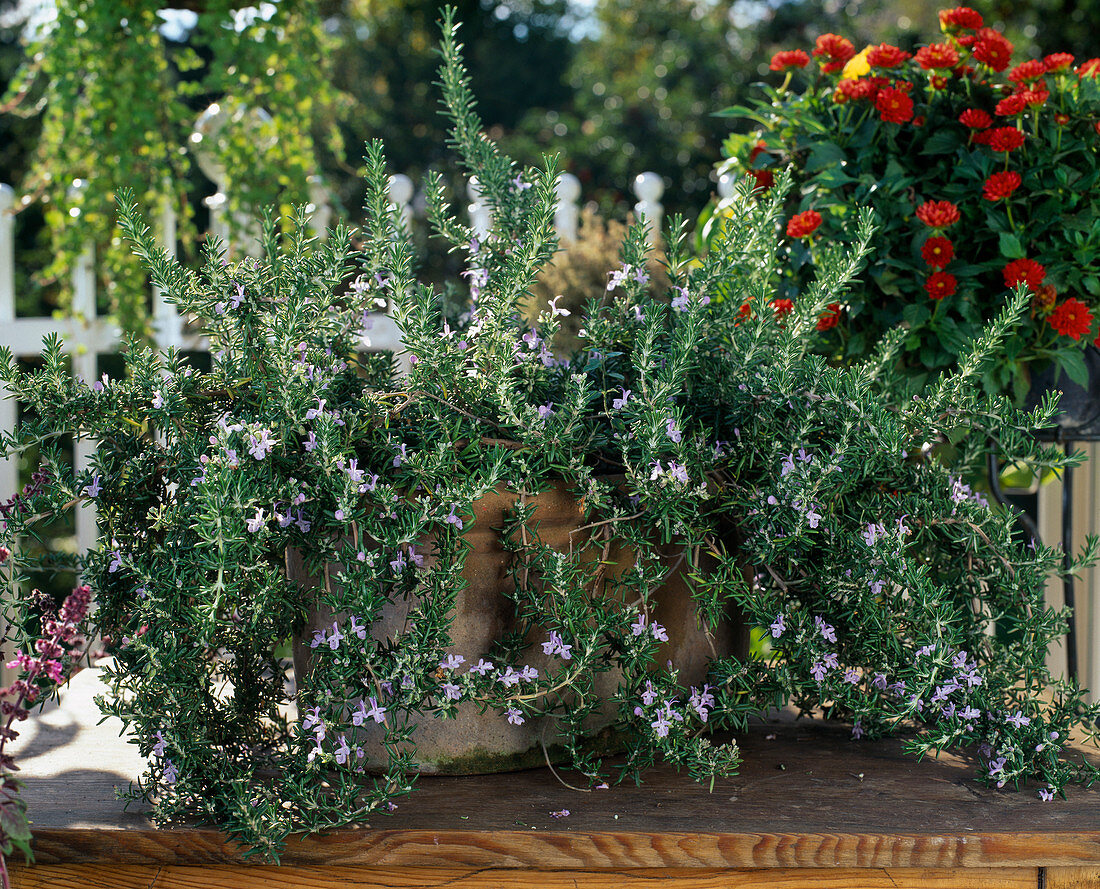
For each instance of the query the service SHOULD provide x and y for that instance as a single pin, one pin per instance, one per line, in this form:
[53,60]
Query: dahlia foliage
[983,177]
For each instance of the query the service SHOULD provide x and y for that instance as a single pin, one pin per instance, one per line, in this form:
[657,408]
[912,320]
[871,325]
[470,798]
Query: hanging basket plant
[118,99]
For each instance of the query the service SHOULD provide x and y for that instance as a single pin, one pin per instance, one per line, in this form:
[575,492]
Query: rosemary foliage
[702,445]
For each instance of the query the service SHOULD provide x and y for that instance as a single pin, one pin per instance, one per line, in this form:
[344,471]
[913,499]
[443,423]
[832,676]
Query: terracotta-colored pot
[478,743]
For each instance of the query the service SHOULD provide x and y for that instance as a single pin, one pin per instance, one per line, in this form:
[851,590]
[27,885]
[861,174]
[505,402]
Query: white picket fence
[87,335]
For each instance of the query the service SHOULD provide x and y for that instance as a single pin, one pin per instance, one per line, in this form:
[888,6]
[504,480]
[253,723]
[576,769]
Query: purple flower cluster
[18,503]
[702,701]
[335,637]
[532,344]
[961,492]
[557,647]
[676,471]
[60,634]
[642,626]
[627,273]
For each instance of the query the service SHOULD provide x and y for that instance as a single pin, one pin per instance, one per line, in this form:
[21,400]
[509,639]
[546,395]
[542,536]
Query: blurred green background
[613,86]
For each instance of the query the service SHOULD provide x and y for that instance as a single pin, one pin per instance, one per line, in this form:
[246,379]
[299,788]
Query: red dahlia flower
[789,58]
[862,88]
[1091,68]
[765,179]
[1027,271]
[975,119]
[1028,72]
[1058,62]
[960,17]
[937,55]
[783,307]
[830,318]
[894,105]
[886,56]
[838,50]
[938,214]
[1012,105]
[940,284]
[1001,185]
[1005,139]
[1035,98]
[937,251]
[803,224]
[1072,318]
[993,49]
[1061,119]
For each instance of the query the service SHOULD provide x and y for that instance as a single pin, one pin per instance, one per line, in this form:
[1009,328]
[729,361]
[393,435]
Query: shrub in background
[579,270]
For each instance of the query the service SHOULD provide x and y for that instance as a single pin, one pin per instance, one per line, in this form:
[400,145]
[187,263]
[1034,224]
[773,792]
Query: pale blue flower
[94,488]
[257,521]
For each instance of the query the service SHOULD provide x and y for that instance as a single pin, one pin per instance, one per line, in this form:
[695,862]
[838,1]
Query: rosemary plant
[794,491]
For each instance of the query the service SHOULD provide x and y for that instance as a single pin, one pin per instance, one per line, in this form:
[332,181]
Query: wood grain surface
[807,796]
[1071,878]
[291,877]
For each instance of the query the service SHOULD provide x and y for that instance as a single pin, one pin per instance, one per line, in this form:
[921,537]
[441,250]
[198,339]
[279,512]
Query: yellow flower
[857,65]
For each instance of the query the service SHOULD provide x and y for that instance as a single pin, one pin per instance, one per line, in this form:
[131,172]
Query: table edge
[564,849]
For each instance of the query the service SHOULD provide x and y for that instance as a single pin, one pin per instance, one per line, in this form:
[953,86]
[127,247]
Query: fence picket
[649,187]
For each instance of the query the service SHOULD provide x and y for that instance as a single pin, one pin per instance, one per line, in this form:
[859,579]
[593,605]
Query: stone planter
[480,743]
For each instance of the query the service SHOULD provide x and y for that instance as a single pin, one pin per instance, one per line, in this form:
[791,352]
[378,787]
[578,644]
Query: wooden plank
[244,877]
[561,850]
[1071,878]
[807,797]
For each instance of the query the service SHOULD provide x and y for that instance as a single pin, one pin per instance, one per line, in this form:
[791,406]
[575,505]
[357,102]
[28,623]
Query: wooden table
[811,808]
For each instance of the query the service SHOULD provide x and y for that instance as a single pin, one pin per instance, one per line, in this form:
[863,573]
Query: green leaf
[941,142]
[740,111]
[1011,247]
[1072,361]
[916,314]
[825,154]
[951,335]
[13,821]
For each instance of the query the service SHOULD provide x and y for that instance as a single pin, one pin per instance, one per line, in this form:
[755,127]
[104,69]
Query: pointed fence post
[566,211]
[166,318]
[649,188]
[481,217]
[9,468]
[727,182]
[86,365]
[320,207]
[401,194]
